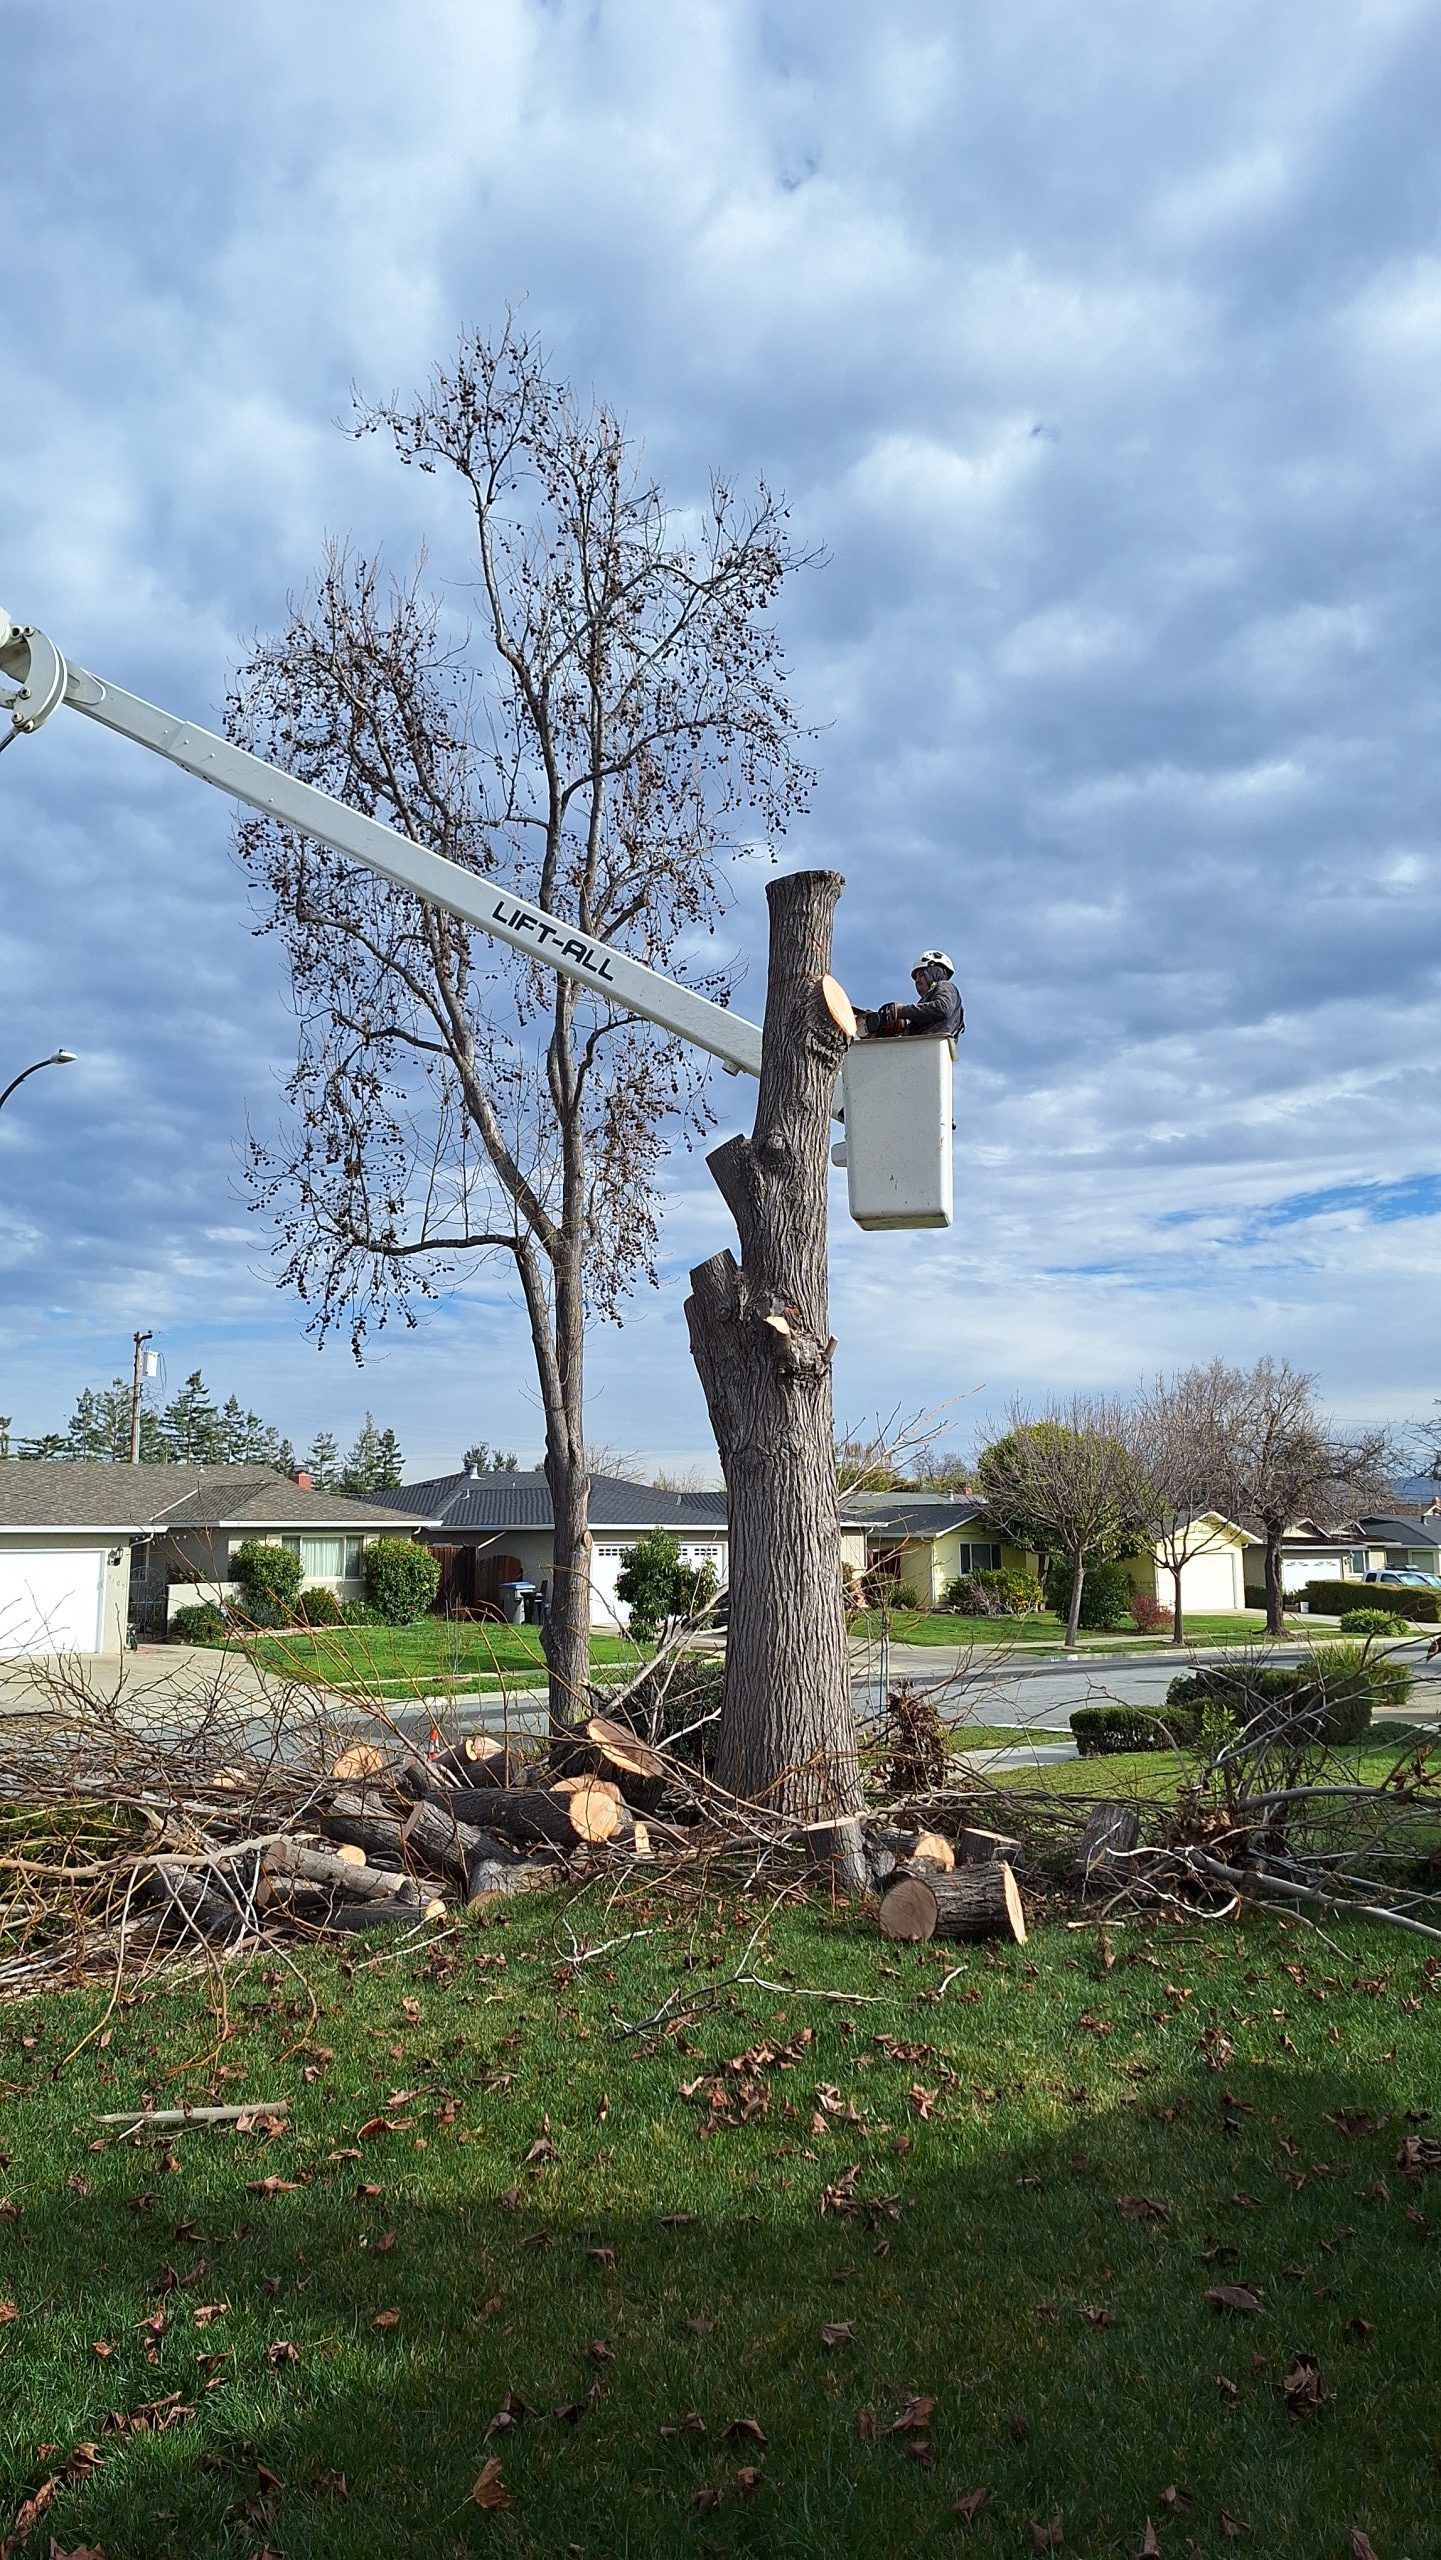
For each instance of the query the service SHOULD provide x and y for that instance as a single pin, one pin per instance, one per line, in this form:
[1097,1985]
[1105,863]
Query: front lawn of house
[940,1626]
[923,2267]
[436,1657]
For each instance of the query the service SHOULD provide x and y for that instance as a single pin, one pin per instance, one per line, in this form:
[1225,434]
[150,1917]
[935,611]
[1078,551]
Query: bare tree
[1069,1484]
[1179,1430]
[621,695]
[1280,1460]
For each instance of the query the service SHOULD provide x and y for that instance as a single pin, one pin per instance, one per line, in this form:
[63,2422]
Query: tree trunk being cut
[975,1902]
[761,1341]
[380,1838]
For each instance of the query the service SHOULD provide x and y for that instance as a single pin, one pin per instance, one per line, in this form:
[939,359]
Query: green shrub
[1334,1599]
[359,1613]
[968,1596]
[318,1607]
[1017,1594]
[266,1573]
[1105,1596]
[401,1580]
[1237,1689]
[1348,1681]
[902,1596]
[1374,1622]
[201,1623]
[1100,1730]
[260,1617]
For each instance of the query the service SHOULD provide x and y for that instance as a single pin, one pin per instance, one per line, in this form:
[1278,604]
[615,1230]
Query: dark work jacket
[939,1013]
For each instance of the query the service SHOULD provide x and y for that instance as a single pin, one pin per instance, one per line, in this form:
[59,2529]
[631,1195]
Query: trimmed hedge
[1373,1622]
[1333,1599]
[1103,1730]
[199,1623]
[318,1607]
[267,1574]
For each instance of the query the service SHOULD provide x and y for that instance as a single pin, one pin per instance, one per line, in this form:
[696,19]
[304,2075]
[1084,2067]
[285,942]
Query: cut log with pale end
[640,1841]
[490,1877]
[289,1861]
[476,1760]
[362,1760]
[975,1902]
[536,1813]
[978,1848]
[351,1856]
[912,1848]
[603,1747]
[572,1786]
[382,1915]
[378,1837]
[1111,1830]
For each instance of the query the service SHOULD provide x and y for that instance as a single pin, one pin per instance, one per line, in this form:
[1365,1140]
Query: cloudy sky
[1101,351]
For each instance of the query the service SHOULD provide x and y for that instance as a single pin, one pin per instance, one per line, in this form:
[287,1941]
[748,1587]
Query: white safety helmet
[936,960]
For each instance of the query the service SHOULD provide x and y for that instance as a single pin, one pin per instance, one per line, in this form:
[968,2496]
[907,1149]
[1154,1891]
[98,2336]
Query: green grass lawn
[435,1657]
[794,2279]
[915,1626]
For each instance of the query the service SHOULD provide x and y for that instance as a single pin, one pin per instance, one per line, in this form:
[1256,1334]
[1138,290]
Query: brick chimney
[304,1479]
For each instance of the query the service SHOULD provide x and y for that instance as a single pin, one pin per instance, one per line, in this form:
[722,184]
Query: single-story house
[1312,1552]
[925,1541]
[89,1547]
[497,1528]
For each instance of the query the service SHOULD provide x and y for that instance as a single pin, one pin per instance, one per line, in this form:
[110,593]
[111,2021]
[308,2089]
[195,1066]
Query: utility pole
[146,1364]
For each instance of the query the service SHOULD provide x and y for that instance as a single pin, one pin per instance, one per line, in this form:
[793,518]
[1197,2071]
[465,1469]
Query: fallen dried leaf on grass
[1302,2388]
[1047,2537]
[969,2507]
[836,2333]
[1362,2547]
[1233,2297]
[488,2488]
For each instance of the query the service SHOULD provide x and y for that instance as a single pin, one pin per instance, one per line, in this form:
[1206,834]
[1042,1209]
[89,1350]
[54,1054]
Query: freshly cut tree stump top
[975,1902]
[362,1760]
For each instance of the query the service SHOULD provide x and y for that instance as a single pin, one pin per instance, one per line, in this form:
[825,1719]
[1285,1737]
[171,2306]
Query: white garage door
[50,1602]
[605,1564]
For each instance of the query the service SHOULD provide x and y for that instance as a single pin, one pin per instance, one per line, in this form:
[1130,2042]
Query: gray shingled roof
[522,1501]
[1380,1528]
[96,1493]
[910,1515]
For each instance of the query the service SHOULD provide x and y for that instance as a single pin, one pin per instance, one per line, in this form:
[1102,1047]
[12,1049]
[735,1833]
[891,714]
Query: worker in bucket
[937,1014]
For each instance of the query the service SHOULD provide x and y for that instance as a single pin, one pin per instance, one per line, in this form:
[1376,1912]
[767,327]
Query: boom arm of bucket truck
[888,1188]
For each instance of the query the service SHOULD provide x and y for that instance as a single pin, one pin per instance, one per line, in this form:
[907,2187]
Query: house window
[977,1556]
[330,1559]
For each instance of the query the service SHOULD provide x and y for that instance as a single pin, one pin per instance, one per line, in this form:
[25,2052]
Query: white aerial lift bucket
[897,1154]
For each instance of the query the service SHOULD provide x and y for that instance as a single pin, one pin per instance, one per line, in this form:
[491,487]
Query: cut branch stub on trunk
[477,1760]
[975,1902]
[760,1336]
[890,1850]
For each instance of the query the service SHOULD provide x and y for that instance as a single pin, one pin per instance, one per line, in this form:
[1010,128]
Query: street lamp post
[57,1058]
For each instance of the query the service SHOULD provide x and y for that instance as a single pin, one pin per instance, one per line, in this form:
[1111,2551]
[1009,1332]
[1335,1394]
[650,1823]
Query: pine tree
[323,1464]
[359,1475]
[189,1425]
[487,1461]
[390,1464]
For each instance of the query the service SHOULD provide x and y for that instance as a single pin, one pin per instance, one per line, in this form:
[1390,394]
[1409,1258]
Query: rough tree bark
[762,1345]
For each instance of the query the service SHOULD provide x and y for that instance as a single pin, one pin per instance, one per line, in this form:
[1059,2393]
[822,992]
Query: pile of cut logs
[935,1886]
[400,1835]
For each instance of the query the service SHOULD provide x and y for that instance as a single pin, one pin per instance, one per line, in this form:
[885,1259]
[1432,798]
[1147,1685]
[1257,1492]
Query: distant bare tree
[1179,1430]
[1070,1484]
[1280,1460]
[621,695]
